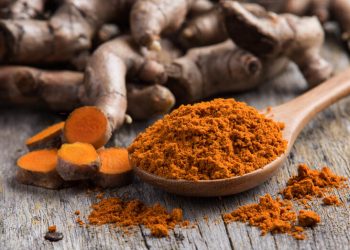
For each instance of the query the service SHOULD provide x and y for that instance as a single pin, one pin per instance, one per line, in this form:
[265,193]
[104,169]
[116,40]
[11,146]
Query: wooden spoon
[295,114]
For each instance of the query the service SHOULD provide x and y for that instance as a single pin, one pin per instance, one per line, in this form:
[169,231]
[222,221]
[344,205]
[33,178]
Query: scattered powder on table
[278,215]
[133,212]
[269,215]
[310,183]
[208,140]
[331,200]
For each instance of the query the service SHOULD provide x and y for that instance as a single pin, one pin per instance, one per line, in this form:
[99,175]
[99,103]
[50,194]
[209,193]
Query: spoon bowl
[295,114]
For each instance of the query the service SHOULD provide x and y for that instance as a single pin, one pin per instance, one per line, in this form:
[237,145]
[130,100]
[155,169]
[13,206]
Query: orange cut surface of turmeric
[78,153]
[86,124]
[218,139]
[49,131]
[42,161]
[114,160]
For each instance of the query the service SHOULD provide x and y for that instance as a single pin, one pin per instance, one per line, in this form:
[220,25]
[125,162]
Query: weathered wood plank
[25,212]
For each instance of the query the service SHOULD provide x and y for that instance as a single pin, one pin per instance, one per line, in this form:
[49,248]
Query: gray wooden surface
[25,211]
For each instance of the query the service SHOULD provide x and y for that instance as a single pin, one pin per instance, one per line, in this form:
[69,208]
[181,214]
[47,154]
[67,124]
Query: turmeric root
[319,8]
[26,86]
[341,12]
[63,90]
[215,69]
[104,83]
[146,102]
[115,170]
[200,7]
[65,35]
[151,18]
[51,137]
[24,9]
[77,161]
[268,35]
[206,29]
[209,28]
[38,168]
[107,32]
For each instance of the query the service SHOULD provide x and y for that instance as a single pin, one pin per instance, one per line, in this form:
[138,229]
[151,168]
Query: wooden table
[26,211]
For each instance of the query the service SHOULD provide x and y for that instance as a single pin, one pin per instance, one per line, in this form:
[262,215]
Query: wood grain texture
[26,212]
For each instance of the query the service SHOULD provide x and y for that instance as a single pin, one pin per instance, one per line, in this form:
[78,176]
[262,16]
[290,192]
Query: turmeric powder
[269,215]
[134,212]
[218,139]
[309,183]
[331,200]
[278,215]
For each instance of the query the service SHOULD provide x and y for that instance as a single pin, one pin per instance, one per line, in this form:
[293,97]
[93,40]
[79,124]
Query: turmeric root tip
[115,170]
[77,161]
[50,137]
[38,168]
[89,125]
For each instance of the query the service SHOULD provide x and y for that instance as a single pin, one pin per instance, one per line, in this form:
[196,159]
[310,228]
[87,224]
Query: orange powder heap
[309,183]
[269,215]
[208,140]
[134,212]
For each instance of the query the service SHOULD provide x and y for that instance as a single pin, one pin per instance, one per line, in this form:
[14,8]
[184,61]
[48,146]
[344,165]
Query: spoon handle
[299,111]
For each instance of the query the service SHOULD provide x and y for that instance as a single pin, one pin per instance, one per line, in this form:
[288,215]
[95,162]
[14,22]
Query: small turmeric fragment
[308,218]
[331,200]
[52,229]
[77,161]
[47,138]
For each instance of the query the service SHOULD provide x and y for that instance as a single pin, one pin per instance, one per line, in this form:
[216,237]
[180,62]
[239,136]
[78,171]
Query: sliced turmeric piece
[77,161]
[38,168]
[115,169]
[87,124]
[50,137]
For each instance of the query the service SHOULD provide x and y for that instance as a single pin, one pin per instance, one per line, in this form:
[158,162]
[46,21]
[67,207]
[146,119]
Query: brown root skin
[62,91]
[212,70]
[80,170]
[145,102]
[340,10]
[67,33]
[149,19]
[118,172]
[38,168]
[107,32]
[23,9]
[80,61]
[50,137]
[269,35]
[200,7]
[203,30]
[26,86]
[321,9]
[50,180]
[168,53]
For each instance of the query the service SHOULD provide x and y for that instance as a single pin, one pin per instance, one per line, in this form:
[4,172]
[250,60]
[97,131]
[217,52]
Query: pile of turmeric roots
[107,61]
